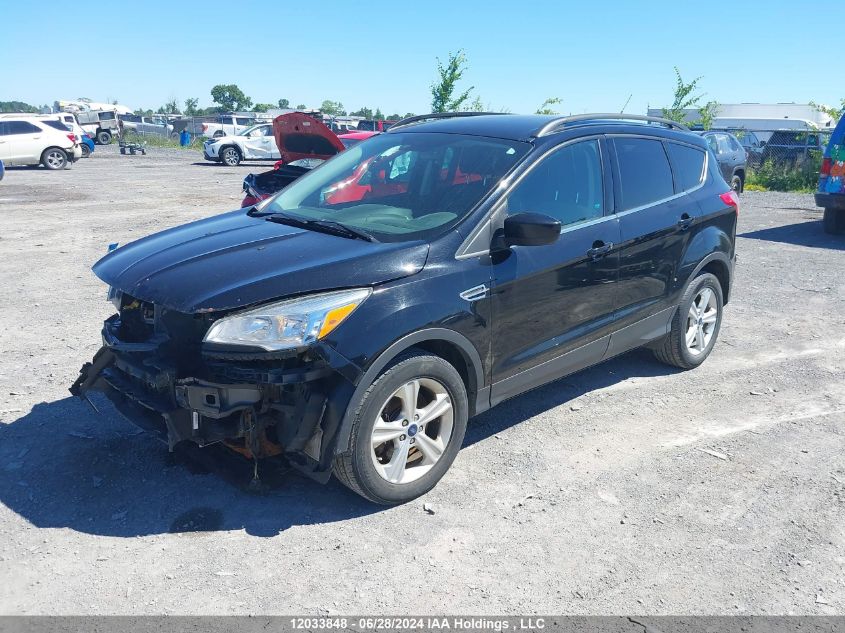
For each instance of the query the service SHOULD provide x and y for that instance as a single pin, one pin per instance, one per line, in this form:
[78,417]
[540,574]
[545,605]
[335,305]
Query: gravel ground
[626,488]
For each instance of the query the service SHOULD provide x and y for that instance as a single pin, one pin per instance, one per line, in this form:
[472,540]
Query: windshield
[401,187]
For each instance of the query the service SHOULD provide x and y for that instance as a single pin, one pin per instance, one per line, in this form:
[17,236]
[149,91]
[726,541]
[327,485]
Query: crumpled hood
[234,260]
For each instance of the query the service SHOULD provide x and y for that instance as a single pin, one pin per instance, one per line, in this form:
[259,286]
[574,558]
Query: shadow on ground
[801,234]
[63,466]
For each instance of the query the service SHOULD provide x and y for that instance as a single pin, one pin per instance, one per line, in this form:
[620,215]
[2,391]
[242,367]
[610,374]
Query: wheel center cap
[412,430]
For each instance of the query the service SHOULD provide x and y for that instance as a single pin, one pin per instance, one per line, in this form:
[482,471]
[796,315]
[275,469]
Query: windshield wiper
[326,226]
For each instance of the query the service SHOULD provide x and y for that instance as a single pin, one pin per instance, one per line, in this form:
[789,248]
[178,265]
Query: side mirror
[530,229]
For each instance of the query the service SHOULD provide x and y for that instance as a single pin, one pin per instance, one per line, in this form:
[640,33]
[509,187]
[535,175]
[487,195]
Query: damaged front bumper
[260,406]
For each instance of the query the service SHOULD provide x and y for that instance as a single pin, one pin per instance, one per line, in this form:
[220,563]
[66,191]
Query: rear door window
[687,165]
[645,176]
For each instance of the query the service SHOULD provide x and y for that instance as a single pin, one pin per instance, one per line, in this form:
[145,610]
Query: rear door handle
[685,222]
[599,249]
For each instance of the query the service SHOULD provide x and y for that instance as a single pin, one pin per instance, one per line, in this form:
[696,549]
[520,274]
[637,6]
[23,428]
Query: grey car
[146,125]
[731,157]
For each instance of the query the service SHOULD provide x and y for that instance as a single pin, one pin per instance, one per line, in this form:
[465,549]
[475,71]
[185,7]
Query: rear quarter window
[687,165]
[644,173]
[58,125]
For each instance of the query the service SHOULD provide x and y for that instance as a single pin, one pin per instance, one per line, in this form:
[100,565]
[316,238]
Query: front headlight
[287,324]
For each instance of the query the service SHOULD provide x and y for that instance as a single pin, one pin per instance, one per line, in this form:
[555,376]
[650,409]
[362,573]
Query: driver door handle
[685,222]
[599,249]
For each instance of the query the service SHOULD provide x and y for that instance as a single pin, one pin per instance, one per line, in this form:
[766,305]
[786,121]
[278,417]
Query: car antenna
[626,103]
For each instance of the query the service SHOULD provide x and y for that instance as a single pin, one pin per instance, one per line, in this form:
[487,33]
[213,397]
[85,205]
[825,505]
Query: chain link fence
[783,160]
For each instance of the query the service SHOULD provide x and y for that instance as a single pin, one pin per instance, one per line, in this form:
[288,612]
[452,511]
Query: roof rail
[436,115]
[557,124]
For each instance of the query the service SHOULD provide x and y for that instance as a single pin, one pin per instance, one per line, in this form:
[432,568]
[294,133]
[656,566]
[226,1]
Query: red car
[303,142]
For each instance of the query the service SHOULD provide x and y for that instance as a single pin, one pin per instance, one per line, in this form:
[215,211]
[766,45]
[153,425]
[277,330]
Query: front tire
[834,221]
[695,326]
[737,184]
[54,158]
[230,156]
[406,432]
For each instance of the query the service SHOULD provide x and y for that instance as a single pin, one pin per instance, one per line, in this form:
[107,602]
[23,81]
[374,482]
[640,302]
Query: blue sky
[592,55]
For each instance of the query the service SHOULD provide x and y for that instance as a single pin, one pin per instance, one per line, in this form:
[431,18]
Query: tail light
[731,199]
[72,138]
[204,128]
[827,163]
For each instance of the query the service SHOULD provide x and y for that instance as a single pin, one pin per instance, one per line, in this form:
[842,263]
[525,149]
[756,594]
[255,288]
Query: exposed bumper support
[291,406]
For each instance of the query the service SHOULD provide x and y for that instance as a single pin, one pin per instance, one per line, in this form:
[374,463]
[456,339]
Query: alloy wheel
[412,430]
[55,159]
[701,321]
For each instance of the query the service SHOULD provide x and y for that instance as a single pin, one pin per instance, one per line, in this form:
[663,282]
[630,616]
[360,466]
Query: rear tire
[834,221]
[422,447]
[85,151]
[104,137]
[218,134]
[230,156]
[695,325]
[54,158]
[737,184]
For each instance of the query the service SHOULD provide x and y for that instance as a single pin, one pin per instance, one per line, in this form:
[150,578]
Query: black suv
[356,320]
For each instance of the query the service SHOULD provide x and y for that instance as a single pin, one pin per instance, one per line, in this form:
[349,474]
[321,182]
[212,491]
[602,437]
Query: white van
[27,140]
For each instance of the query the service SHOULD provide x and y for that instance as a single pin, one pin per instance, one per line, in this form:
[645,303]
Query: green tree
[394,117]
[263,107]
[230,97]
[477,105]
[17,106]
[408,115]
[443,97]
[378,115]
[284,104]
[333,108]
[301,106]
[707,113]
[547,106]
[365,112]
[171,107]
[191,106]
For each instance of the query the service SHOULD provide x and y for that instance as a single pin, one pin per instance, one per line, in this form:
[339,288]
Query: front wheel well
[718,268]
[453,355]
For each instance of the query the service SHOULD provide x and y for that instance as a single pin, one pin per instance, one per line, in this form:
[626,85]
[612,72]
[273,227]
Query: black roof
[521,127]
[517,127]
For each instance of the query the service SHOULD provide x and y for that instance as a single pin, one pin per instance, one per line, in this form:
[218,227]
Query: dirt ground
[627,488]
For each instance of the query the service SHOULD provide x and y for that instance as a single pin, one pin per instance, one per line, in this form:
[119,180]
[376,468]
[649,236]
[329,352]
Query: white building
[763,116]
